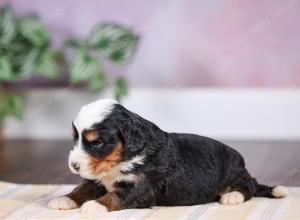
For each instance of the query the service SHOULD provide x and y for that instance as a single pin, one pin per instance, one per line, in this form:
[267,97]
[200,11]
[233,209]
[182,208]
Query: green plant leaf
[114,42]
[14,106]
[47,66]
[98,82]
[5,69]
[2,106]
[24,63]
[121,88]
[2,119]
[34,31]
[83,67]
[7,26]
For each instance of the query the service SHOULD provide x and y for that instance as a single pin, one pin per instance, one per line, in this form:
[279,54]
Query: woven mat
[25,201]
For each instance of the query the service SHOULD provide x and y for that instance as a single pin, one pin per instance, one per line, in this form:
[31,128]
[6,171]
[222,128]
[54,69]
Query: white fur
[115,175]
[232,198]
[280,191]
[62,203]
[129,165]
[92,113]
[92,206]
[80,156]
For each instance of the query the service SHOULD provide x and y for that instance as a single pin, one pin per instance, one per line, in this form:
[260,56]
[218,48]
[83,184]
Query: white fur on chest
[108,179]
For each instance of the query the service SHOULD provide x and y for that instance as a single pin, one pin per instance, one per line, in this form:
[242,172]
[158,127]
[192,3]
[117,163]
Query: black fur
[178,169]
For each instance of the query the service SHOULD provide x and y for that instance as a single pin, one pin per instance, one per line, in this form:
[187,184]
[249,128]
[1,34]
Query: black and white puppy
[128,162]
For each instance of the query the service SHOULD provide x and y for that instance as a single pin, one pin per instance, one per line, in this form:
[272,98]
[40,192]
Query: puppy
[128,162]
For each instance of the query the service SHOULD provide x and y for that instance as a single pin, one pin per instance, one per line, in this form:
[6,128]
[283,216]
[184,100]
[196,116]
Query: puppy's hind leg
[232,198]
[241,189]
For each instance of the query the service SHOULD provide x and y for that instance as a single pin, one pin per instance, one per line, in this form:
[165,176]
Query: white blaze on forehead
[94,112]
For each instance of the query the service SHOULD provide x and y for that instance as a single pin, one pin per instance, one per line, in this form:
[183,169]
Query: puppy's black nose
[76,166]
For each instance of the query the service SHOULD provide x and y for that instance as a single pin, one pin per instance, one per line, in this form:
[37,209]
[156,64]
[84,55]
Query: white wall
[220,113]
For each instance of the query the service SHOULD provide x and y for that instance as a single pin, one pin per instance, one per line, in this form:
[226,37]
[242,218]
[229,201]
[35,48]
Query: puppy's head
[102,133]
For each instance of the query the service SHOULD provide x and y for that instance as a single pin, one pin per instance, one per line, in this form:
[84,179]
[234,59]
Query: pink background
[232,43]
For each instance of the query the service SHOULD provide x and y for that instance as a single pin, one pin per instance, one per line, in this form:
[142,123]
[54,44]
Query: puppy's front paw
[92,206]
[232,198]
[62,203]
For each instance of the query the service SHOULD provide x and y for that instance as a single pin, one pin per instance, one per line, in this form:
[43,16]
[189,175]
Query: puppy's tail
[271,192]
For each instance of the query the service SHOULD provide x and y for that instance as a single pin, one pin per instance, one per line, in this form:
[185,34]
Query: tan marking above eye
[91,135]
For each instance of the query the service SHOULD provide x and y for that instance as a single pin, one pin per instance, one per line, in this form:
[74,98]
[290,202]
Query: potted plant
[25,50]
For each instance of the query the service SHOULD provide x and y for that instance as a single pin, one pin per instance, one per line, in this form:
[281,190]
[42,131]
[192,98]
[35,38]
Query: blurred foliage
[107,41]
[10,105]
[121,87]
[25,49]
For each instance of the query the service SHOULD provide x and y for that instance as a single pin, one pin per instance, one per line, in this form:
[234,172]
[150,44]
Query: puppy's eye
[98,143]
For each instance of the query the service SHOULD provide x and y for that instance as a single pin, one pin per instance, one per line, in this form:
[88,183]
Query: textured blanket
[22,201]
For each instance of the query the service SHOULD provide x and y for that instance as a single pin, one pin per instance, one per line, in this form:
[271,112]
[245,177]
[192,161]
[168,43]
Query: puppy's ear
[135,141]
[134,137]
[133,131]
